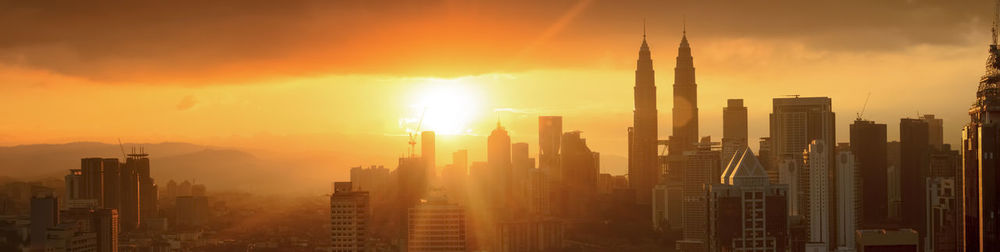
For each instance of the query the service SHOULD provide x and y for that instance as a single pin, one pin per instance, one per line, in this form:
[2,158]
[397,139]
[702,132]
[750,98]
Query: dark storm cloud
[205,40]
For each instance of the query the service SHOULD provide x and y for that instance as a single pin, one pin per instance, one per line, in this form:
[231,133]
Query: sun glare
[448,107]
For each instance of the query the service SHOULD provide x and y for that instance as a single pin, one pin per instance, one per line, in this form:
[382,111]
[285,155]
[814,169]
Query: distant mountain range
[217,168]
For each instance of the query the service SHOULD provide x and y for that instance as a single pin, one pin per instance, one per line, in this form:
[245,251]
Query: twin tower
[643,160]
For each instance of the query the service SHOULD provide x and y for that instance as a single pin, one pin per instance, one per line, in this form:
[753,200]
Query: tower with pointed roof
[980,168]
[685,110]
[643,166]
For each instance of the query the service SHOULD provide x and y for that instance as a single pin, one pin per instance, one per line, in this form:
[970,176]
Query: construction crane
[124,156]
[863,107]
[413,137]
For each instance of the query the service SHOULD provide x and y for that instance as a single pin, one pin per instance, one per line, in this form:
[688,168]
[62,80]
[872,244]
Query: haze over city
[348,79]
[607,118]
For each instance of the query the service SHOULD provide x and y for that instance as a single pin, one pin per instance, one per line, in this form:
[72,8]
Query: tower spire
[684,26]
[644,28]
[996,19]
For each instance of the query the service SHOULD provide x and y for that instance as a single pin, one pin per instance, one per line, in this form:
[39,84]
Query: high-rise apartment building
[817,165]
[848,199]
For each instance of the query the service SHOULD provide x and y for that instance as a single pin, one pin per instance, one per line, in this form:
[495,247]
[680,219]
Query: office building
[105,224]
[436,225]
[980,176]
[148,192]
[913,172]
[580,168]
[643,168]
[795,123]
[549,138]
[892,170]
[748,213]
[703,168]
[428,153]
[734,128]
[44,215]
[942,215]
[350,219]
[935,131]
[498,156]
[869,147]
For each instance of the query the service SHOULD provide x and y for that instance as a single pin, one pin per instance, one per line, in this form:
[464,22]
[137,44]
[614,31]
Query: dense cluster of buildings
[801,191]
[109,205]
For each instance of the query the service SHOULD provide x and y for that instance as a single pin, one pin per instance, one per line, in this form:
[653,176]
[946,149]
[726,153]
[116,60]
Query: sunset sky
[351,78]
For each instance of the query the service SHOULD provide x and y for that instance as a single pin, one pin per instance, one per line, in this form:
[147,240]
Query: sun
[448,106]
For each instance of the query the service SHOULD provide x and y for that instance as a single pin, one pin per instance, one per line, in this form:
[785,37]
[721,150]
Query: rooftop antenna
[863,107]
[684,25]
[643,28]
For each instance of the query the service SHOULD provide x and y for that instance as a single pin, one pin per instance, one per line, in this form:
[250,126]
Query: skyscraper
[427,141]
[148,191]
[869,147]
[92,170]
[685,111]
[980,144]
[350,219]
[521,166]
[703,168]
[579,171]
[913,172]
[847,199]
[549,138]
[734,128]
[498,158]
[111,171]
[643,169]
[795,123]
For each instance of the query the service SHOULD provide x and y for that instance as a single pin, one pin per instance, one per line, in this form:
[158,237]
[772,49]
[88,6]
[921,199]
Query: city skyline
[740,57]
[480,126]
